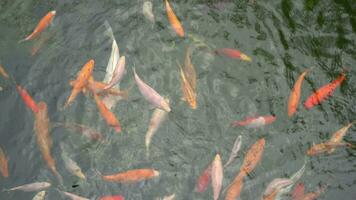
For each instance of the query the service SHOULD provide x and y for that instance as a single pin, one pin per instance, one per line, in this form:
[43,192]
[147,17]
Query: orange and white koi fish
[151,95]
[217,176]
[295,94]
[3,72]
[27,99]
[81,81]
[172,18]
[31,187]
[324,92]
[204,180]
[42,25]
[255,122]
[43,137]
[338,136]
[132,176]
[233,53]
[326,147]
[189,94]
[3,164]
[108,116]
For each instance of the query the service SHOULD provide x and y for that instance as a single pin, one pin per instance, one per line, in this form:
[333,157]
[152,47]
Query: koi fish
[172,18]
[324,92]
[233,53]
[116,197]
[235,150]
[40,196]
[255,122]
[151,95]
[132,176]
[295,94]
[71,165]
[31,187]
[313,195]
[108,116]
[189,70]
[298,192]
[99,88]
[234,190]
[217,176]
[4,164]
[204,180]
[294,178]
[326,147]
[157,118]
[72,196]
[42,25]
[147,11]
[44,140]
[189,94]
[27,99]
[274,187]
[3,72]
[338,136]
[88,132]
[118,73]
[81,81]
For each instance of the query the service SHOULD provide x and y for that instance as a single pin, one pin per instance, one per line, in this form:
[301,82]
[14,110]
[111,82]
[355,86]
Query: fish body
[71,165]
[324,92]
[132,176]
[116,197]
[151,95]
[40,196]
[274,187]
[325,147]
[27,99]
[234,190]
[72,196]
[44,141]
[204,180]
[253,156]
[338,136]
[82,78]
[147,11]
[235,150]
[108,116]
[255,122]
[189,94]
[298,192]
[189,70]
[217,176]
[233,53]
[41,26]
[99,88]
[157,118]
[3,72]
[173,20]
[295,94]
[118,73]
[31,187]
[4,164]
[313,195]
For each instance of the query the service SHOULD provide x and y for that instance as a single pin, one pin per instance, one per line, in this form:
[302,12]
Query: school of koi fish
[107,93]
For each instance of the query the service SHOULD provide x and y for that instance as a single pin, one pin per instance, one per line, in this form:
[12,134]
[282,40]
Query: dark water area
[282,37]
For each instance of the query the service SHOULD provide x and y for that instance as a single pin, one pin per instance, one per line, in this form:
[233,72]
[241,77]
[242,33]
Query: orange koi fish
[132,176]
[3,72]
[3,164]
[115,197]
[98,87]
[313,195]
[235,188]
[27,99]
[189,94]
[338,136]
[233,53]
[298,192]
[295,94]
[175,23]
[326,147]
[108,116]
[324,92]
[42,25]
[256,122]
[189,70]
[44,140]
[81,81]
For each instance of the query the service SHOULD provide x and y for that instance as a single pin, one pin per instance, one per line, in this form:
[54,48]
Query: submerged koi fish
[99,88]
[217,176]
[314,195]
[43,137]
[234,190]
[4,164]
[173,20]
[255,122]
[234,151]
[338,136]
[118,73]
[3,72]
[72,196]
[151,95]
[132,176]
[295,94]
[88,132]
[233,53]
[40,196]
[38,44]
[189,70]
[31,187]
[204,180]
[81,81]
[42,25]
[324,92]
[147,11]
[70,164]
[326,147]
[298,192]
[108,116]
[274,187]
[116,197]
[27,99]
[189,94]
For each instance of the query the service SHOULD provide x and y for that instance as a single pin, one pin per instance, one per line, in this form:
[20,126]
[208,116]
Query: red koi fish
[116,197]
[324,92]
[233,53]
[295,94]
[255,122]
[204,180]
[42,25]
[27,99]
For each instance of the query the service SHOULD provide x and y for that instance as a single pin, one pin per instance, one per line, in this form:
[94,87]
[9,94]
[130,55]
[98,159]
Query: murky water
[283,38]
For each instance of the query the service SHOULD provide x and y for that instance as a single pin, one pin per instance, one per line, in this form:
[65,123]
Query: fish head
[245,57]
[165,106]
[53,12]
[79,173]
